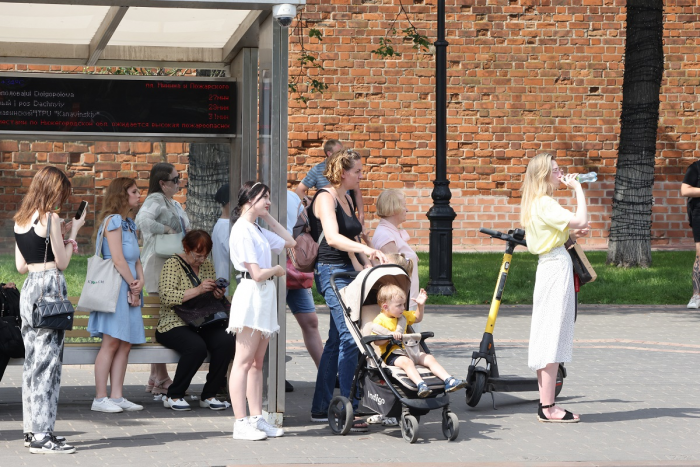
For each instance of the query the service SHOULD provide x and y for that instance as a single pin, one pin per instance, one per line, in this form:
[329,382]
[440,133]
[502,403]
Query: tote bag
[102,281]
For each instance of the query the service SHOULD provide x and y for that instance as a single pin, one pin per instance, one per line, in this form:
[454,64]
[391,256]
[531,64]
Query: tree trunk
[630,229]
[208,171]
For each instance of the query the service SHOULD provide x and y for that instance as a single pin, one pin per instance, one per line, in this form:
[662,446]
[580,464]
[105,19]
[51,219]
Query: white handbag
[168,245]
[102,282]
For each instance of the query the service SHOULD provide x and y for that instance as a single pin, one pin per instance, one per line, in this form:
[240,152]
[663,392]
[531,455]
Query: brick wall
[523,76]
[90,166]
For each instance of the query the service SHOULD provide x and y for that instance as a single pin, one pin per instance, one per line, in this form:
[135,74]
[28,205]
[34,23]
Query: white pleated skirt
[553,310]
[254,306]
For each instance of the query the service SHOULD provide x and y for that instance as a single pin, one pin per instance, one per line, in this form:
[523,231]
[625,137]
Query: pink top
[385,233]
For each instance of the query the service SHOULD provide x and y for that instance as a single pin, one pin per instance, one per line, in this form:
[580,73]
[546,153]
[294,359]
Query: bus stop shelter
[239,37]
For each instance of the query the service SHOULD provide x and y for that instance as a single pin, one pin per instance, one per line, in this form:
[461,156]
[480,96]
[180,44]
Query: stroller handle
[505,237]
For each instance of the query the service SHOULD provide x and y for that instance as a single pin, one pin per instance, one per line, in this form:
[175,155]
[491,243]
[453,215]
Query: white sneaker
[214,404]
[127,406]
[180,405]
[242,429]
[694,302]
[105,405]
[262,425]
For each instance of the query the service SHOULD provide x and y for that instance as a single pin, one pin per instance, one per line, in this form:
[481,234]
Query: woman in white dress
[547,226]
[254,306]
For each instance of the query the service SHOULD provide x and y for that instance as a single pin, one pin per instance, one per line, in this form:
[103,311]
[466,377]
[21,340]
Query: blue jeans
[340,352]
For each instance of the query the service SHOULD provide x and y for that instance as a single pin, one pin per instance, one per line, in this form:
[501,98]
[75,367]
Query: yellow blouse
[549,225]
[172,286]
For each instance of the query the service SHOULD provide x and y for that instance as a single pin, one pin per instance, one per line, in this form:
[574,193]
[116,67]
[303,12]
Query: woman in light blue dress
[124,327]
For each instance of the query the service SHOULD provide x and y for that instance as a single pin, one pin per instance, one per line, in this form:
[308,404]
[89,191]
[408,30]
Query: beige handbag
[102,281]
[168,245]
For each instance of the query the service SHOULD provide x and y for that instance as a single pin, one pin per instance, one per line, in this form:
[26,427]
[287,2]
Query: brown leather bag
[303,255]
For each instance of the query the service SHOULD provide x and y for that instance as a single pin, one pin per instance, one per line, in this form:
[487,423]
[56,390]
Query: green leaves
[386,49]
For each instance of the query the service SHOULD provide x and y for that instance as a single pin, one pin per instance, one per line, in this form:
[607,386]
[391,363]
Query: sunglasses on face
[175,180]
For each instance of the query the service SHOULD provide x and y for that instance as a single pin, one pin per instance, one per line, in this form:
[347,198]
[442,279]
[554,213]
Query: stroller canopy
[354,296]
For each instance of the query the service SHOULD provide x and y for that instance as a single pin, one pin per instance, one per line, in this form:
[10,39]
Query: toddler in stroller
[393,320]
[386,390]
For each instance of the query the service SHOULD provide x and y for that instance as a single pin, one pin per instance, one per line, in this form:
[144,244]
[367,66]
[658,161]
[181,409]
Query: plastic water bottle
[587,178]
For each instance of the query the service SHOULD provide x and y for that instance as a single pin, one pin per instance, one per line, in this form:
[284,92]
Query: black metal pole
[441,214]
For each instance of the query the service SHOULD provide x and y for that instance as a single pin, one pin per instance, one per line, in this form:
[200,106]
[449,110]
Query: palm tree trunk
[208,171]
[630,229]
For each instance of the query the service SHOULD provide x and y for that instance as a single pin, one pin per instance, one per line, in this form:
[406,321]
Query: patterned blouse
[173,285]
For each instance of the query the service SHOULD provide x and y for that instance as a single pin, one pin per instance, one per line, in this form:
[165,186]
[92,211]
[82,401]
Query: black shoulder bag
[11,343]
[57,314]
[202,310]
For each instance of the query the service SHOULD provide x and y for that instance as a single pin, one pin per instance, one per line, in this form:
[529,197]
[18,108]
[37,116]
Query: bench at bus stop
[81,349]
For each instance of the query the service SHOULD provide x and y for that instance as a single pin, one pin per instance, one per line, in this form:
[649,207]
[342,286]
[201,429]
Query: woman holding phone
[44,255]
[124,327]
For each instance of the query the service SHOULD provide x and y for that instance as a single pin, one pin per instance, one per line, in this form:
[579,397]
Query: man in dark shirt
[690,188]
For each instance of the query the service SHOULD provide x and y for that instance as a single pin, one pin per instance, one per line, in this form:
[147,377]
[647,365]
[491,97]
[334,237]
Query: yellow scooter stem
[498,293]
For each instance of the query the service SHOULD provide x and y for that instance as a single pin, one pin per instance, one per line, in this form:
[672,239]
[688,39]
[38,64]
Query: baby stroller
[386,390]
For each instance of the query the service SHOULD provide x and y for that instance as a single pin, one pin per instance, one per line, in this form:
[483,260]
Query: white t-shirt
[250,243]
[293,210]
[220,250]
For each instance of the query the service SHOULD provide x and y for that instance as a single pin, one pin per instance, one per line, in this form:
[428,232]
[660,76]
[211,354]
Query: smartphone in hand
[81,209]
[222,283]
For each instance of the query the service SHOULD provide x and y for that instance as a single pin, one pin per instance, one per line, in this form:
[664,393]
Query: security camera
[284,14]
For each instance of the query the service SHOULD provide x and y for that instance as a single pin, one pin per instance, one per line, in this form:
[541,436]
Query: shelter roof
[203,34]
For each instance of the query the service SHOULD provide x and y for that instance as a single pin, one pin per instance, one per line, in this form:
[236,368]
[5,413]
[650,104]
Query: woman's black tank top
[348,226]
[33,246]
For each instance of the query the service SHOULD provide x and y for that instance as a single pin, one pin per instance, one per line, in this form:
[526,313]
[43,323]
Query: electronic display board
[118,106]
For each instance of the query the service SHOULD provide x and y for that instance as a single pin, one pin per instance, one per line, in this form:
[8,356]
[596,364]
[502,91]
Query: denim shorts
[300,301]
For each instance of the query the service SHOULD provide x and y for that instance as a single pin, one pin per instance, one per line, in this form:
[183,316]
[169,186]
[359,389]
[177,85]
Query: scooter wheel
[409,428]
[340,416]
[560,382]
[450,426]
[476,389]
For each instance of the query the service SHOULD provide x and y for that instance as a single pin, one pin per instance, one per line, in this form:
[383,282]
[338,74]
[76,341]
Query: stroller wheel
[409,428]
[340,416]
[450,426]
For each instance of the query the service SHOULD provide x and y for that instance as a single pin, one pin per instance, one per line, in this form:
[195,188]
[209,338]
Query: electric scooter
[483,375]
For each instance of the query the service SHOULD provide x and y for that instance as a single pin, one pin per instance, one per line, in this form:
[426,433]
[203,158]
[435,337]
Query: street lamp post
[441,214]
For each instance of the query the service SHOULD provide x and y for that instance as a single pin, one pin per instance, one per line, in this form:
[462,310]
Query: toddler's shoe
[423,390]
[452,384]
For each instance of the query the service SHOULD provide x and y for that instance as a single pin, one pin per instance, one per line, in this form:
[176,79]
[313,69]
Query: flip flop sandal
[359,426]
[159,387]
[568,416]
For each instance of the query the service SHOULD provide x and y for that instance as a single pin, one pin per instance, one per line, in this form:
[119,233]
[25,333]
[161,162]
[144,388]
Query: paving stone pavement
[634,379]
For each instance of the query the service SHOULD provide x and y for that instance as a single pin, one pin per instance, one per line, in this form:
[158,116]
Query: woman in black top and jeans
[332,214]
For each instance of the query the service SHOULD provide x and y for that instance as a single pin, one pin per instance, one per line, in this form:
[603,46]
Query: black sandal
[568,416]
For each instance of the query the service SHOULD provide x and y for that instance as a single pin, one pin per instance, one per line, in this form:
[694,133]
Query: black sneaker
[29,437]
[319,417]
[50,445]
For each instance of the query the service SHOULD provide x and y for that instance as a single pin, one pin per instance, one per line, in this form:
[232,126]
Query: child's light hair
[389,292]
[400,259]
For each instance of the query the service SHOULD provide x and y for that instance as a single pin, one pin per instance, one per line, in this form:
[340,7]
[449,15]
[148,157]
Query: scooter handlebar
[503,236]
